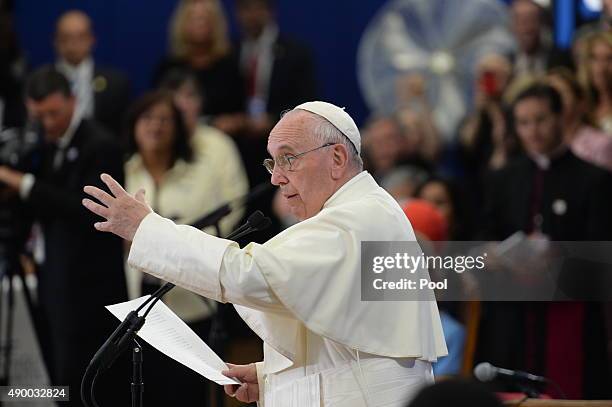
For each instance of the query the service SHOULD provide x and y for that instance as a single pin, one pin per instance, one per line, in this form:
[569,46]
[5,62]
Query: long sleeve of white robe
[226,274]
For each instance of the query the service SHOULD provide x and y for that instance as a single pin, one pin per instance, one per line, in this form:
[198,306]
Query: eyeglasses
[284,161]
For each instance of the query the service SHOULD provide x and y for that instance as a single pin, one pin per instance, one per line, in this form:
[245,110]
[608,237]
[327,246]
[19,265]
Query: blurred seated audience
[199,40]
[595,74]
[102,93]
[585,141]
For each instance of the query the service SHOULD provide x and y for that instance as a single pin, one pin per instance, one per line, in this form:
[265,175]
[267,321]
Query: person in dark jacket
[79,271]
[102,92]
[550,195]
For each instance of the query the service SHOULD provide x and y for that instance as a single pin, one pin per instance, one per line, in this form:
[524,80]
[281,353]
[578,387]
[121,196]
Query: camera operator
[79,270]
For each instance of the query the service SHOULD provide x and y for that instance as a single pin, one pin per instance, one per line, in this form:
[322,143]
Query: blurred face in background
[526,24]
[437,194]
[600,65]
[187,98]
[493,75]
[154,130]
[537,126]
[253,16]
[54,113]
[383,144]
[199,20]
[74,39]
[607,10]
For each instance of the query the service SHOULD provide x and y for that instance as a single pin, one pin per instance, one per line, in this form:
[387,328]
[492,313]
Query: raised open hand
[122,211]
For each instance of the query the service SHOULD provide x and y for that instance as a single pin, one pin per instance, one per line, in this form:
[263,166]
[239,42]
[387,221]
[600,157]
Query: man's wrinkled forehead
[292,132]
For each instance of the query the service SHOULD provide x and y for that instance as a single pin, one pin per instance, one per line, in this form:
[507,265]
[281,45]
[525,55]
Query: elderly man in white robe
[299,291]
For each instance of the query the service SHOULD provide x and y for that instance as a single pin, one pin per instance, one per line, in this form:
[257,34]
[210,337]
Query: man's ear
[340,160]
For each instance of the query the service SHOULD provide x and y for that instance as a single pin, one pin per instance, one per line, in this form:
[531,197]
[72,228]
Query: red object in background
[488,83]
[426,219]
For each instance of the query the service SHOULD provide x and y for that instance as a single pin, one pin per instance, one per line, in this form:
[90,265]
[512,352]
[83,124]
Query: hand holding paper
[165,331]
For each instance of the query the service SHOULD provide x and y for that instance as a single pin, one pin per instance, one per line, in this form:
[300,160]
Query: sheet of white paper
[166,332]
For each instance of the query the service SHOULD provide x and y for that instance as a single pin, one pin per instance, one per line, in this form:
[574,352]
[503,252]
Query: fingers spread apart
[99,194]
[113,185]
[96,208]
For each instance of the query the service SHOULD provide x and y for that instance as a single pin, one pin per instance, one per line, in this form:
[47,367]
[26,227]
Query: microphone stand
[137,383]
[126,332]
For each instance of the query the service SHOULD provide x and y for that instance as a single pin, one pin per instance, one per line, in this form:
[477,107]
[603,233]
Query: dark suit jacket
[111,98]
[292,81]
[585,189]
[293,76]
[553,58]
[83,268]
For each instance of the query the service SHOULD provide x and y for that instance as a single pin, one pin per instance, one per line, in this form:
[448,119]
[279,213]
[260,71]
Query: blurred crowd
[533,155]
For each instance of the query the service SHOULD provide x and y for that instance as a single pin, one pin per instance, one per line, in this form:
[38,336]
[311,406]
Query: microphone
[486,372]
[216,215]
[256,222]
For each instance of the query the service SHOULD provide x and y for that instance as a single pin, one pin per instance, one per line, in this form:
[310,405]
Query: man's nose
[47,124]
[278,178]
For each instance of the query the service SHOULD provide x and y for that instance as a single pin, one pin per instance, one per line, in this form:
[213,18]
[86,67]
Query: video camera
[18,149]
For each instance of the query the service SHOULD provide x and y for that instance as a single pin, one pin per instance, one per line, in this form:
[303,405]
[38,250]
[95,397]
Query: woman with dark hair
[447,197]
[180,187]
[156,135]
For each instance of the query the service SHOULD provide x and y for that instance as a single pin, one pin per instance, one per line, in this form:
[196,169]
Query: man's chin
[298,213]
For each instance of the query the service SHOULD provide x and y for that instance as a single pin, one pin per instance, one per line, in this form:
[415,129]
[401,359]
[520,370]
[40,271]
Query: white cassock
[300,292]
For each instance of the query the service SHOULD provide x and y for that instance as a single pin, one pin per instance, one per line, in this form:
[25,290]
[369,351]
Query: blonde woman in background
[586,142]
[199,41]
[595,73]
[187,171]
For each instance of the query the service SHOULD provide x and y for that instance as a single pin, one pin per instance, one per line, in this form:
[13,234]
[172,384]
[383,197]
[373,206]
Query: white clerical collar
[543,161]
